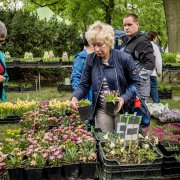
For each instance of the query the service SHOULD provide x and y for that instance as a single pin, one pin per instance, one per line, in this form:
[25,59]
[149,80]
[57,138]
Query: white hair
[3,30]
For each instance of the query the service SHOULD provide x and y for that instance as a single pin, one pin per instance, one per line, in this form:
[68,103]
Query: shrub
[169,57]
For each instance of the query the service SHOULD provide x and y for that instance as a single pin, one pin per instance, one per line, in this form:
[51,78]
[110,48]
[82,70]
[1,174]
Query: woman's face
[101,49]
[2,40]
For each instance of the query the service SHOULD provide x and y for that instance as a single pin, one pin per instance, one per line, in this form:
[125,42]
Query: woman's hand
[120,104]
[74,102]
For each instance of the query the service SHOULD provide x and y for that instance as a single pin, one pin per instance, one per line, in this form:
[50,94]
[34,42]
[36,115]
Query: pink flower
[65,136]
[52,148]
[57,153]
[45,155]
[59,156]
[51,157]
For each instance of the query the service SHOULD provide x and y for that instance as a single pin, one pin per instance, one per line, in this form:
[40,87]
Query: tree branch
[103,3]
[50,4]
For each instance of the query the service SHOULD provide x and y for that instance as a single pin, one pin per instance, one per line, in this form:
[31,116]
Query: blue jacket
[77,69]
[2,59]
[121,75]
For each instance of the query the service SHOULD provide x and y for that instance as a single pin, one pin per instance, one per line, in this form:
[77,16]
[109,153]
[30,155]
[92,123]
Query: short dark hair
[134,16]
[152,35]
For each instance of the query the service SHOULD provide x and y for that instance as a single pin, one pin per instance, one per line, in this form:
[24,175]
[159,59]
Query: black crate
[163,148]
[12,89]
[112,170]
[24,89]
[63,87]
[170,166]
[96,131]
[165,94]
[10,120]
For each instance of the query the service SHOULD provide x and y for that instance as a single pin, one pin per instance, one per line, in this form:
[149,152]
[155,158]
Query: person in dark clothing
[106,69]
[139,46]
[3,73]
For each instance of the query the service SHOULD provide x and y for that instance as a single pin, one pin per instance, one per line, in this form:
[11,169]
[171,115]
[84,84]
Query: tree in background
[83,13]
[172,11]
[151,15]
[27,33]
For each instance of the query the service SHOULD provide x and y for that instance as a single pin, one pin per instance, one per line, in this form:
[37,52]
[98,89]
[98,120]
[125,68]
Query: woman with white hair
[3,73]
[106,69]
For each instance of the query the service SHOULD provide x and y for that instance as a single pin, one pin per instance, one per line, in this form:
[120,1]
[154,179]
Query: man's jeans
[154,89]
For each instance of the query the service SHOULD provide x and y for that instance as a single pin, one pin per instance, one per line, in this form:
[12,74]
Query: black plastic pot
[85,113]
[71,171]
[16,174]
[110,108]
[53,173]
[34,174]
[88,170]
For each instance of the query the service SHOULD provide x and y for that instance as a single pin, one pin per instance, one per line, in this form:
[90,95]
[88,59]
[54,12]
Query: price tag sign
[128,126]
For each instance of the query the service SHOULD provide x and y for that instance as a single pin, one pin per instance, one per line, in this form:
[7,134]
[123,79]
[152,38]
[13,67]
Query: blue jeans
[154,89]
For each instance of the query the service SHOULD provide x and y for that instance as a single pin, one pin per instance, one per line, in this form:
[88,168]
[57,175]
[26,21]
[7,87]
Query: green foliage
[84,103]
[111,96]
[169,57]
[83,13]
[163,86]
[26,33]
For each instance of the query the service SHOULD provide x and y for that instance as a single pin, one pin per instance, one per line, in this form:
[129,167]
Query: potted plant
[111,102]
[165,91]
[125,159]
[54,161]
[13,157]
[35,161]
[70,160]
[88,158]
[85,110]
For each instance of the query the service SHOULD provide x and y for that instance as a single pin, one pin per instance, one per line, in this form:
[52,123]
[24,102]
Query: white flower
[141,136]
[112,144]
[122,149]
[113,152]
[106,136]
[156,140]
[146,146]
[147,137]
[122,141]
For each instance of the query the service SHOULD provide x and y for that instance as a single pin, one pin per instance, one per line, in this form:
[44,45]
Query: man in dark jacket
[139,46]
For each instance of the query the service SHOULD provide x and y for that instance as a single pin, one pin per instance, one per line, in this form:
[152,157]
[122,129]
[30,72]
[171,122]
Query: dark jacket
[121,75]
[141,50]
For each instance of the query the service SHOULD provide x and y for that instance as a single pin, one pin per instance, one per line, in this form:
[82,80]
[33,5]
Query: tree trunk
[108,10]
[172,12]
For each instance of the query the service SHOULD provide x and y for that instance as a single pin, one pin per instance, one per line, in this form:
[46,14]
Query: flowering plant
[87,151]
[13,153]
[70,153]
[111,96]
[83,103]
[2,158]
[129,152]
[54,155]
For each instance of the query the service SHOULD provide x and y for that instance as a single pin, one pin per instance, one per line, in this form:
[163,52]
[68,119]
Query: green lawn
[46,93]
